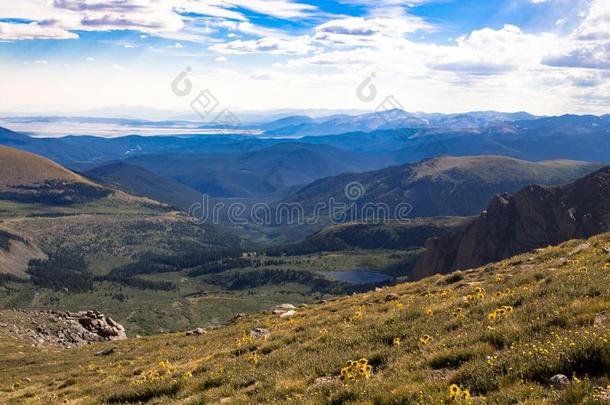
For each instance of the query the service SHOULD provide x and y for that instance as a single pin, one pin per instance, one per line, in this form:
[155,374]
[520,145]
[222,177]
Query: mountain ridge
[446,186]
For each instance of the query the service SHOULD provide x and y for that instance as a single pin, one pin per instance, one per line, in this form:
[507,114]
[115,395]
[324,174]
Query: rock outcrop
[56,328]
[534,217]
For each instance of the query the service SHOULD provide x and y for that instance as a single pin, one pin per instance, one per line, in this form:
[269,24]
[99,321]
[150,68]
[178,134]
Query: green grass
[557,325]
[194,303]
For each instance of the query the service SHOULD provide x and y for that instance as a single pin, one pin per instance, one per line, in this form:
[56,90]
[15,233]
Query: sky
[541,56]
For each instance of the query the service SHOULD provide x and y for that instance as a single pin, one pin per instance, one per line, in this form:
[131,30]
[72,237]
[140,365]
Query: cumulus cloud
[589,43]
[588,57]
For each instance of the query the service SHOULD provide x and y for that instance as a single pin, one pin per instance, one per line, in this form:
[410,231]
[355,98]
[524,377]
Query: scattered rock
[239,315]
[559,381]
[198,331]
[277,311]
[107,352]
[392,297]
[321,381]
[288,314]
[607,250]
[602,394]
[285,307]
[260,333]
[601,319]
[579,248]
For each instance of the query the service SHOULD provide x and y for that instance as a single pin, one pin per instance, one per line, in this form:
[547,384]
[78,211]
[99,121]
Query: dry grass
[432,337]
[18,168]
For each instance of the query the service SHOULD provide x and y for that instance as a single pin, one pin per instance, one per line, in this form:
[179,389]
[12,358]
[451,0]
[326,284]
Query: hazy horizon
[547,57]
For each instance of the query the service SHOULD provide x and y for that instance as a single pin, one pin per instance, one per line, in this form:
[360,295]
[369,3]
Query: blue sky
[543,56]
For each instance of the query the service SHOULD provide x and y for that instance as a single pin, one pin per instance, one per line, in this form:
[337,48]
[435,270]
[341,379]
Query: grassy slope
[558,325]
[13,171]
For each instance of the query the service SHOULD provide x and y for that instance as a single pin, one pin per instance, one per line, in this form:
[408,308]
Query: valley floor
[497,334]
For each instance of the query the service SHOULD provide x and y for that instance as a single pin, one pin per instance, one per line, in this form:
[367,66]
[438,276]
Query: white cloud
[589,44]
[596,24]
[221,59]
[153,17]
[272,45]
[13,32]
[360,31]
[585,56]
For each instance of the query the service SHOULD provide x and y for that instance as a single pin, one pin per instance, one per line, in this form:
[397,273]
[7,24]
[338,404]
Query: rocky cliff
[534,217]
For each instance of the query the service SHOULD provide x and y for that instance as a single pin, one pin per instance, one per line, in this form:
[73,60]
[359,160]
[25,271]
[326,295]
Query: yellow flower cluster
[499,312]
[162,372]
[607,266]
[457,394]
[429,312]
[458,313]
[396,341]
[478,294]
[253,358]
[425,340]
[441,293]
[397,304]
[356,370]
[582,270]
[244,340]
[93,367]
[358,315]
[561,346]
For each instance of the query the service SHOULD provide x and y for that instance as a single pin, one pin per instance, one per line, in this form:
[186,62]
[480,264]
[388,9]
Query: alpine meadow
[333,202]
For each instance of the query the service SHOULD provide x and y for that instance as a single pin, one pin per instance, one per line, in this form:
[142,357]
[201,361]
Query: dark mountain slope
[136,180]
[534,217]
[265,173]
[373,235]
[452,186]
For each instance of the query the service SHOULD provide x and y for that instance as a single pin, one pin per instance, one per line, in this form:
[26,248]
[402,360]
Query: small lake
[358,276]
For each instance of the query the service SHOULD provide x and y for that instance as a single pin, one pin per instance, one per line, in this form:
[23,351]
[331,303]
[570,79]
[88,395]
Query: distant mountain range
[238,166]
[296,126]
[534,217]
